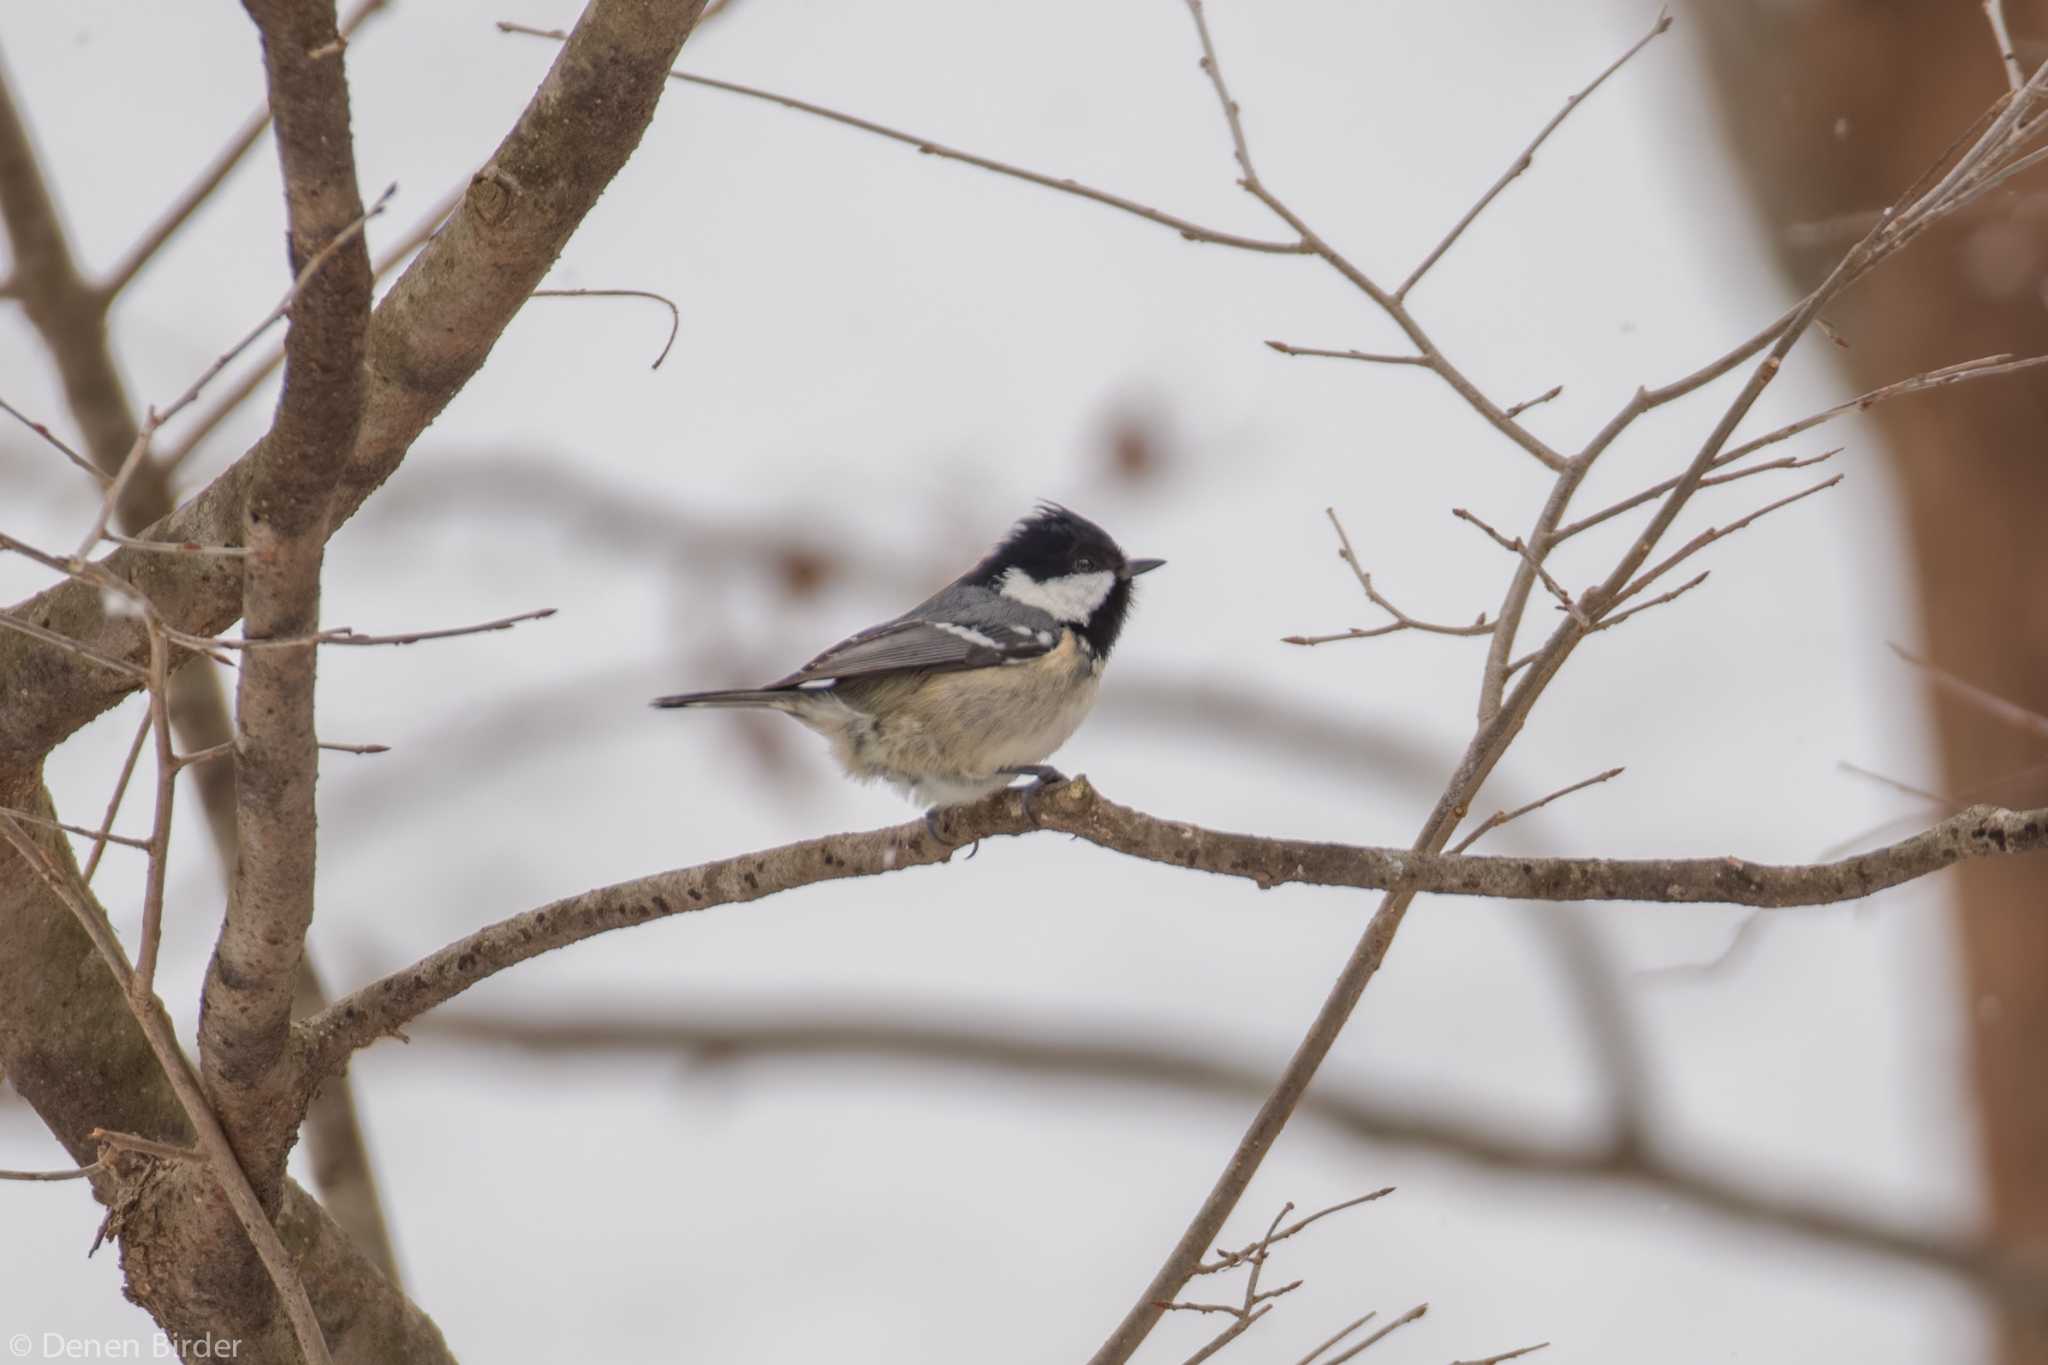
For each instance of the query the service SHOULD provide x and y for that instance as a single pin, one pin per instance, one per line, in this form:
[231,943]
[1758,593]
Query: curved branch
[324,1042]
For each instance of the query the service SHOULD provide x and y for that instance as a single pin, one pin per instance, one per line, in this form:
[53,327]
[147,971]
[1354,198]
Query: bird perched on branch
[978,684]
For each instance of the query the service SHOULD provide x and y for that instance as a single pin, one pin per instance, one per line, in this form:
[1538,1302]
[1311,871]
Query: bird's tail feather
[774,698]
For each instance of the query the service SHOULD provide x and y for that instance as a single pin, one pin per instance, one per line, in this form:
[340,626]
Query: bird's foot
[934,825]
[1042,776]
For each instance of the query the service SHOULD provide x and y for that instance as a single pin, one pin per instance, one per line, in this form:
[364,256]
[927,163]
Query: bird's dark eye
[1085,564]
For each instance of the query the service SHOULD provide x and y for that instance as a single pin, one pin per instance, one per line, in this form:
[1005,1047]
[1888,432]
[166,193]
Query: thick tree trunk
[1834,108]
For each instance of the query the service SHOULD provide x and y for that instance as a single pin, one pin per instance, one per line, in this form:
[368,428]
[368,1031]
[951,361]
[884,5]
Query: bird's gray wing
[968,633]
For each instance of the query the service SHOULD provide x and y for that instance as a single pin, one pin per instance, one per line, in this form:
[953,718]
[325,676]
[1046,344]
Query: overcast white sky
[893,357]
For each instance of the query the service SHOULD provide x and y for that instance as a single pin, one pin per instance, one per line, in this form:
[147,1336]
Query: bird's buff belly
[943,737]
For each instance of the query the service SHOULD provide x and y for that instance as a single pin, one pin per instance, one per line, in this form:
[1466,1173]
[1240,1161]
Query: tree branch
[1526,160]
[245,1006]
[324,1042]
[1191,231]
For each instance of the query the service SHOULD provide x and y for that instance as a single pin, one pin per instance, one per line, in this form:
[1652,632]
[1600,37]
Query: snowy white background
[894,356]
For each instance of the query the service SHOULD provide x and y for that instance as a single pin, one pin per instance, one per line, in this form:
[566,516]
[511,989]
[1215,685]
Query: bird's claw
[1042,776]
[934,825]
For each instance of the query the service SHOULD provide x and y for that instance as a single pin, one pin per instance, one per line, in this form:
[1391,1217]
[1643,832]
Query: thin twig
[245,388]
[1229,1334]
[75,1173]
[131,1142]
[1499,818]
[1232,115]
[1401,621]
[1610,622]
[142,985]
[127,670]
[103,835]
[157,418]
[1708,537]
[1256,1251]
[1525,160]
[1514,546]
[1987,367]
[175,547]
[210,180]
[98,476]
[1341,1333]
[1656,491]
[1517,409]
[675,315]
[1377,1337]
[1370,356]
[346,635]
[2011,713]
[1946,802]
[1515,1354]
[1193,232]
[83,830]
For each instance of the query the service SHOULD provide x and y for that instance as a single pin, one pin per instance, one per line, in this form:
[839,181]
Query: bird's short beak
[1132,568]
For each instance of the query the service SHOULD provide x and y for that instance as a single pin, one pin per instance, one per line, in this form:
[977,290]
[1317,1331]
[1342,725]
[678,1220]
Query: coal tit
[976,685]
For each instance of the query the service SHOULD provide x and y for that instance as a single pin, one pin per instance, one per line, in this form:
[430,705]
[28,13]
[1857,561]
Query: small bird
[978,684]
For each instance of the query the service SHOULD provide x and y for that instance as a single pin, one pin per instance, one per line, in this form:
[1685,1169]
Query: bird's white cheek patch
[1071,597]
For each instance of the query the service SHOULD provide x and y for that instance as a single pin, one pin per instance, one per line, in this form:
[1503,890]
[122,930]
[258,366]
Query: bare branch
[1074,808]
[50,438]
[347,635]
[1988,367]
[48,823]
[1994,13]
[1517,409]
[143,985]
[206,423]
[12,620]
[1524,161]
[182,547]
[103,835]
[304,280]
[2010,713]
[1377,1337]
[1514,546]
[1393,307]
[1402,620]
[1193,232]
[1230,1260]
[1213,69]
[1284,349]
[1708,537]
[1907,788]
[1229,1334]
[1515,1354]
[1658,490]
[1499,818]
[1610,622]
[130,1142]
[76,1173]
[675,316]
[1329,1342]
[216,173]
